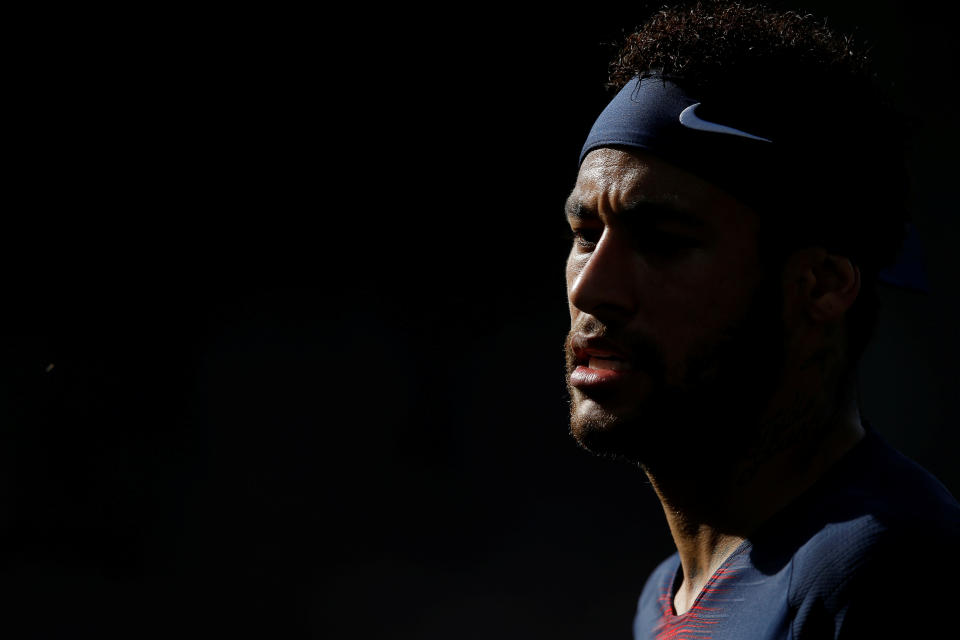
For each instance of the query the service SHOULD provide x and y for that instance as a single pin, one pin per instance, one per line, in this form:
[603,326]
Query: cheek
[717,282]
[717,304]
[685,315]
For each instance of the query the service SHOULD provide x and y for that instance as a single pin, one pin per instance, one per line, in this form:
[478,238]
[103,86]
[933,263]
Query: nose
[605,284]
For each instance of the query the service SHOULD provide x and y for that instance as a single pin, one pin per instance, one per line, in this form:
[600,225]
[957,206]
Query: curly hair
[708,41]
[790,76]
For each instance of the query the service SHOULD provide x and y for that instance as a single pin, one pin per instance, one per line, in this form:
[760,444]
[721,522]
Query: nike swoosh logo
[690,120]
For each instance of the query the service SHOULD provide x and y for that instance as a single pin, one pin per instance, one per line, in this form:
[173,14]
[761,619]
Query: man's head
[710,293]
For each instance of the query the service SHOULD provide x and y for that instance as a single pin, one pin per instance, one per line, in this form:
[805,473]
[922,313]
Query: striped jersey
[863,554]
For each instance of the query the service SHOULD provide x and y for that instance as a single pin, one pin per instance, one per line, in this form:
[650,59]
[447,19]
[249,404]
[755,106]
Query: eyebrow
[653,210]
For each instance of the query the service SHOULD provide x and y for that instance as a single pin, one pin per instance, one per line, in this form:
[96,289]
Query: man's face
[676,338]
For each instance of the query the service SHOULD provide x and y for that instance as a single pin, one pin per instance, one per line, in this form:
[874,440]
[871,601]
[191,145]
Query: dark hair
[811,89]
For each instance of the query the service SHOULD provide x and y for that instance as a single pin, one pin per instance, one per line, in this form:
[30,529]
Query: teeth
[605,363]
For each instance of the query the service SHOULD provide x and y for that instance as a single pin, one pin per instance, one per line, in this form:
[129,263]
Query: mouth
[599,365]
[604,361]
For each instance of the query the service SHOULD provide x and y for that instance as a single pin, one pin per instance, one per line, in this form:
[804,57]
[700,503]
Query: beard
[706,408]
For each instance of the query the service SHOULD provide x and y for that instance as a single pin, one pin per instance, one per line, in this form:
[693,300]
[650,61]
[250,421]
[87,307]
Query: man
[735,204]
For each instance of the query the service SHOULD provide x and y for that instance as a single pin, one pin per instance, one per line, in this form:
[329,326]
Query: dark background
[300,281]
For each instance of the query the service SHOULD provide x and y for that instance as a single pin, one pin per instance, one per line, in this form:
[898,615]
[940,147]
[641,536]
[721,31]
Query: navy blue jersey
[867,552]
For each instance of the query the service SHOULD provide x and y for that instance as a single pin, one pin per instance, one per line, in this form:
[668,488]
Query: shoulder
[878,494]
[902,588]
[883,534]
[904,503]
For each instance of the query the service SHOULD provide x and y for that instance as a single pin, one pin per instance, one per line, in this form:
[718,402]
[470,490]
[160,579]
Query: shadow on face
[676,328]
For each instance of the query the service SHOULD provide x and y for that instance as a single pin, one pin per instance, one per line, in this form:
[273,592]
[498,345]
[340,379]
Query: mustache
[642,351]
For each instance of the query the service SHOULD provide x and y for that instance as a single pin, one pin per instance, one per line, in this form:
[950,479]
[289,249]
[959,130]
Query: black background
[300,281]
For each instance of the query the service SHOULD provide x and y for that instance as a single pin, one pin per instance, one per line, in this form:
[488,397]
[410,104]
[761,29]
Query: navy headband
[656,115]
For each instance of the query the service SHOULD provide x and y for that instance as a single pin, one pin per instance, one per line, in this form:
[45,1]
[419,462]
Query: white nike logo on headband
[690,120]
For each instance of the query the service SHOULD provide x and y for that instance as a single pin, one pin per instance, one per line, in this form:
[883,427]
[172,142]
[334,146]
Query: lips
[607,361]
[599,363]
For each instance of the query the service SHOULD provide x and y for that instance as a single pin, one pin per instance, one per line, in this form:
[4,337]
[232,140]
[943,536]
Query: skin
[737,399]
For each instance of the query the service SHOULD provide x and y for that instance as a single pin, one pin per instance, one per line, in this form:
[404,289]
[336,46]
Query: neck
[708,520]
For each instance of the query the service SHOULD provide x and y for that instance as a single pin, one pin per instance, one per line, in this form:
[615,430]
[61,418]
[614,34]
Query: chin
[635,436]
[669,428]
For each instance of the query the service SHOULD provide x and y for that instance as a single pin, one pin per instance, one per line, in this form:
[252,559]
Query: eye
[586,238]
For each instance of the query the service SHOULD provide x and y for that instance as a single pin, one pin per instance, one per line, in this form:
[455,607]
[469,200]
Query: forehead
[613,181]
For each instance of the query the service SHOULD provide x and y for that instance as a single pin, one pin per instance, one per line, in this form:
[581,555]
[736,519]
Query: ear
[824,285]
